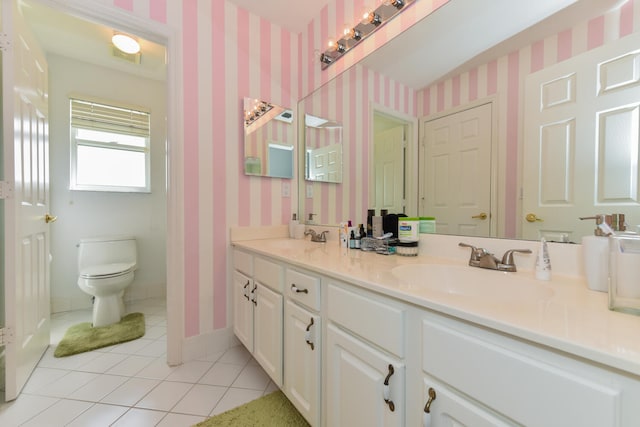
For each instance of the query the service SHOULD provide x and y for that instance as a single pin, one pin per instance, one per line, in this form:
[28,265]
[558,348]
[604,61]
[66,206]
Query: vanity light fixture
[255,111]
[371,21]
[125,43]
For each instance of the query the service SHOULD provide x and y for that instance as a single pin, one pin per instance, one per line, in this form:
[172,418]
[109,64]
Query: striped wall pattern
[347,98]
[504,80]
[227,54]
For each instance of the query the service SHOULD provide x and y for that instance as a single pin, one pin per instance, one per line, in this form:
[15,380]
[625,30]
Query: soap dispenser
[595,255]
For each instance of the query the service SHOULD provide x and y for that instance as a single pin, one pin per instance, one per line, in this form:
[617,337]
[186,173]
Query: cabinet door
[449,409]
[243,309]
[268,332]
[302,353]
[356,373]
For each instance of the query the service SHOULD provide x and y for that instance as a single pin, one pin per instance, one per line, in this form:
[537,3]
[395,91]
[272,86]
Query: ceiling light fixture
[125,43]
[364,27]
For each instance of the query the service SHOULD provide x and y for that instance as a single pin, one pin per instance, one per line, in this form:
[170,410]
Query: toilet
[106,266]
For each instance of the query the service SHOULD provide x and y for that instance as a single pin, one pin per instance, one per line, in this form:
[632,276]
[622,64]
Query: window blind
[96,116]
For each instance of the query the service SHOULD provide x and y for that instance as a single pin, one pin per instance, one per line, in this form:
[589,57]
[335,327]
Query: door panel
[457,172]
[389,169]
[594,142]
[26,163]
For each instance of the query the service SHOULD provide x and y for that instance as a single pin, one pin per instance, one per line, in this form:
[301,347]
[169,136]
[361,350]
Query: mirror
[268,139]
[323,149]
[470,70]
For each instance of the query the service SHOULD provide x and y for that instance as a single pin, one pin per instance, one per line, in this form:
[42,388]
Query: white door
[303,359]
[356,376]
[456,161]
[581,158]
[388,158]
[326,163]
[26,172]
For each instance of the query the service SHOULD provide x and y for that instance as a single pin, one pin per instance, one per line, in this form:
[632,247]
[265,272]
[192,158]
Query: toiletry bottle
[595,255]
[370,214]
[359,237]
[352,240]
[293,226]
[543,263]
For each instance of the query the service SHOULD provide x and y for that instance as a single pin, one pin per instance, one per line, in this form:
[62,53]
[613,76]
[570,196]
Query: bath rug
[272,410]
[83,337]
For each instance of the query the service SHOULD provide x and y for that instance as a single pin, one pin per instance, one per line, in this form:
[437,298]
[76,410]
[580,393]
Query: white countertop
[572,318]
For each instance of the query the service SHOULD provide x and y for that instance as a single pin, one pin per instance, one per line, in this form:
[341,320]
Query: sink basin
[465,281]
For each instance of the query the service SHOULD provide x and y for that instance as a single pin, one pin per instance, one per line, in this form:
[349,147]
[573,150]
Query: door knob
[481,216]
[50,218]
[533,218]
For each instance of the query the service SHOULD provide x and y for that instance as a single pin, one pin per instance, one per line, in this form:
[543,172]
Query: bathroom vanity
[359,339]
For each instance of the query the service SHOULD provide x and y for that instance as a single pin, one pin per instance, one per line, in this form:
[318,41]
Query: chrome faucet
[481,258]
[315,237]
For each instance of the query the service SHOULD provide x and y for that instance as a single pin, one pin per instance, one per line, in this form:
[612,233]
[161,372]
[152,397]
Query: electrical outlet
[286,189]
[309,191]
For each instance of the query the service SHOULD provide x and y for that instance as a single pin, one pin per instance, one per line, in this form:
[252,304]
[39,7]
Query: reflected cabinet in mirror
[268,139]
[526,123]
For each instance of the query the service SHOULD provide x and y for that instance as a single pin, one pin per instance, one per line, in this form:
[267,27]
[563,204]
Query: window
[109,147]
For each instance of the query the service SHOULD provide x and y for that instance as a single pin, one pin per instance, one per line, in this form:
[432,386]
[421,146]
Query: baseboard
[208,344]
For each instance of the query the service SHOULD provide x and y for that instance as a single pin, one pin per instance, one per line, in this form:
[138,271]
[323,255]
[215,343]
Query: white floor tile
[131,365]
[60,414]
[222,374]
[235,397]
[99,415]
[157,369]
[42,377]
[156,348]
[23,408]
[252,377]
[129,393]
[200,400]
[135,417]
[67,384]
[154,332]
[190,372]
[102,363]
[69,362]
[164,396]
[173,420]
[236,355]
[98,388]
[131,347]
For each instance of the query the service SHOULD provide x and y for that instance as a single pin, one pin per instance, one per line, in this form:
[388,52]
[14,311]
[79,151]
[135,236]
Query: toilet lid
[107,270]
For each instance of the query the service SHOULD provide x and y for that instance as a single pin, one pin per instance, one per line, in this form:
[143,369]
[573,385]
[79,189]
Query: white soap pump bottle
[293,225]
[595,255]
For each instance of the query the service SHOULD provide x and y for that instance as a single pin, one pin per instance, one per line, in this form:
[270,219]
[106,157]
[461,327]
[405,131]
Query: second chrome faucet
[481,258]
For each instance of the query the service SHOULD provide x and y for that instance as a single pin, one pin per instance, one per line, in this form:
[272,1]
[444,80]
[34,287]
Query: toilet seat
[106,271]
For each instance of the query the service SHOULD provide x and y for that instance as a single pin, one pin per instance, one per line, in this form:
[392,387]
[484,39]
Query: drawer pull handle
[387,392]
[307,334]
[426,420]
[246,291]
[298,290]
[254,298]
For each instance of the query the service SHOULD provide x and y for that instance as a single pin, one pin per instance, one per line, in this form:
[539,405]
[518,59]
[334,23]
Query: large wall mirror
[268,139]
[528,84]
[323,149]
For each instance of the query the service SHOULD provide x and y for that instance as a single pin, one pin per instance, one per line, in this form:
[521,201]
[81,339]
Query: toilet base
[107,310]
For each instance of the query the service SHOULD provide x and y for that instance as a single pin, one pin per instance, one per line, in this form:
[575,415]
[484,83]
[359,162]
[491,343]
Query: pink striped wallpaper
[504,78]
[228,53]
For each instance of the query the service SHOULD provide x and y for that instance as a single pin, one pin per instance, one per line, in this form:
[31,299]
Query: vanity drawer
[243,262]
[373,318]
[303,288]
[507,377]
[268,273]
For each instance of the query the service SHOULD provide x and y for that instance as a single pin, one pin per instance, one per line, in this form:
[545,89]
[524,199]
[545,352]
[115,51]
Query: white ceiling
[292,15]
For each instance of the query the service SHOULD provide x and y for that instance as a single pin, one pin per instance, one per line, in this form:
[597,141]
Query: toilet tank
[106,250]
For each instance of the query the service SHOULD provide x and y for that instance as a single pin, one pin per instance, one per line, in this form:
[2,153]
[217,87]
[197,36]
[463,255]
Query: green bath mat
[83,337]
[272,410]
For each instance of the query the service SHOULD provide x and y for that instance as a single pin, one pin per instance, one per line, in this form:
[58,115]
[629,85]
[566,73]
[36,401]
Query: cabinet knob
[387,391]
[426,420]
[254,297]
[246,290]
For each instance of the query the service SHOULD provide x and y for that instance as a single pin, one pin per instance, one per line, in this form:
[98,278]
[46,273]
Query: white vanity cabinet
[484,378]
[365,378]
[258,310]
[303,343]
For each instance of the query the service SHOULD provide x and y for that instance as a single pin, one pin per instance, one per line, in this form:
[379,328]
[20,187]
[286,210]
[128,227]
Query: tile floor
[130,384]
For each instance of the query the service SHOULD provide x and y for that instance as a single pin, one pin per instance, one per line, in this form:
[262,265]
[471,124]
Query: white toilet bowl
[106,267]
